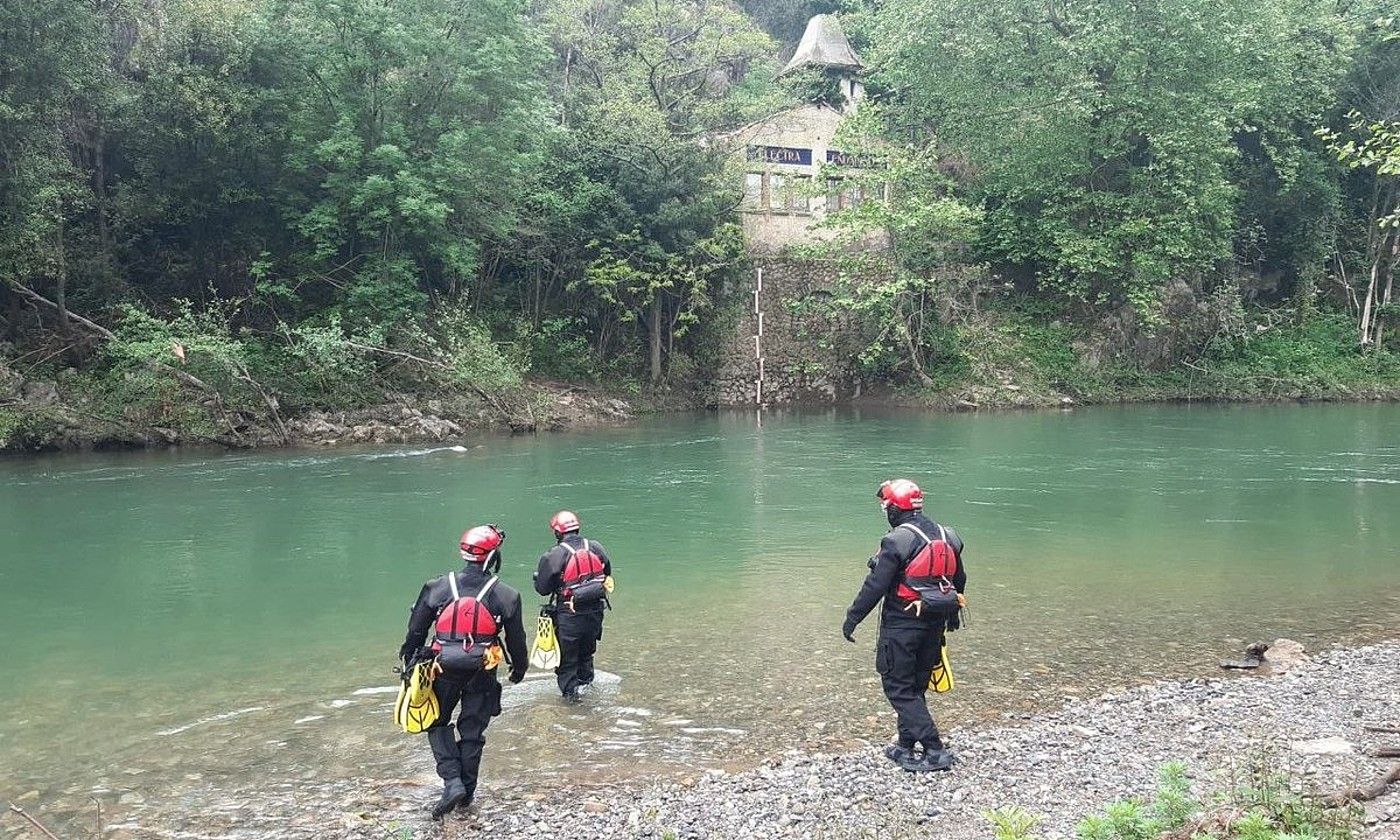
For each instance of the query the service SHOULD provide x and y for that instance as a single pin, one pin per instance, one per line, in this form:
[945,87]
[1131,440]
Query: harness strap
[942,535]
[487,588]
[452,584]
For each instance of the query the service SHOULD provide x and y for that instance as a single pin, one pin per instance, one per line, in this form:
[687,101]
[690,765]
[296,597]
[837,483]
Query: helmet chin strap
[490,564]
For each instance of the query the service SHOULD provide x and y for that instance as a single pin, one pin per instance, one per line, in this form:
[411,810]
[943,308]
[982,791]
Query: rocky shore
[1315,726]
[1308,723]
[38,415]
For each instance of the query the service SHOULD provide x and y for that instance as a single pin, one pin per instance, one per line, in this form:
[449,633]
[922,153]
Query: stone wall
[808,352]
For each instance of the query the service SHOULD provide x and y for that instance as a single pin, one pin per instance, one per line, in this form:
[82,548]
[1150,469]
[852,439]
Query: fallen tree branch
[93,326]
[181,376]
[1386,752]
[1384,730]
[384,351]
[18,810]
[268,401]
[1347,795]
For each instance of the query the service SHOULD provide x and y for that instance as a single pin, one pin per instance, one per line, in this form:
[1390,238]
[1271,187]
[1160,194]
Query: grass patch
[1259,806]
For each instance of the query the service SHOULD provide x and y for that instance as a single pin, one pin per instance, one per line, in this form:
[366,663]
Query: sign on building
[781,154]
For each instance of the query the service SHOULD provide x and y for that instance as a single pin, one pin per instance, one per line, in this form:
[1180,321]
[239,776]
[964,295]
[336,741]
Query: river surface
[172,624]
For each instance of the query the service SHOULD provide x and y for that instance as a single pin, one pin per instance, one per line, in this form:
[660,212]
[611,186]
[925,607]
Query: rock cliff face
[803,351]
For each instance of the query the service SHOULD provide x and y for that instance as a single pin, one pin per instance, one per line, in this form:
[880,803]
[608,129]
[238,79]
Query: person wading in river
[467,611]
[919,574]
[576,574]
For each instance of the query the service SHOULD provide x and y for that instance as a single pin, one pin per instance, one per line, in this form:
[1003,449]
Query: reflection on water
[175,623]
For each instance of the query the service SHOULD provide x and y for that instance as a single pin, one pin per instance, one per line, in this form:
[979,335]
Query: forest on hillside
[280,205]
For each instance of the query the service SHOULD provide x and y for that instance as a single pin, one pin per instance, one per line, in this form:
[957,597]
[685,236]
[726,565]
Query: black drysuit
[908,645]
[578,629]
[478,693]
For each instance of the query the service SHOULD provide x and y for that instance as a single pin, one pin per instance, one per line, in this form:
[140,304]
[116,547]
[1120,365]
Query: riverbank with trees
[219,219]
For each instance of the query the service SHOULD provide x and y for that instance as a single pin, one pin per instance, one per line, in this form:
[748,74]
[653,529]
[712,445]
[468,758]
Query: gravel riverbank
[1061,765]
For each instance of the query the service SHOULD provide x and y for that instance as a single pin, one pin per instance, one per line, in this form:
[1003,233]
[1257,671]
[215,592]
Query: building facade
[795,170]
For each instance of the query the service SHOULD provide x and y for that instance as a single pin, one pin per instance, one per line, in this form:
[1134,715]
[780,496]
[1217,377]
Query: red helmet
[479,543]
[563,522]
[902,493]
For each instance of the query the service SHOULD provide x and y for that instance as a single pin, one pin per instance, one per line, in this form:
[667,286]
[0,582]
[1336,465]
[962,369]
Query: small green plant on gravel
[1125,820]
[1174,805]
[1012,823]
[1261,791]
[1260,805]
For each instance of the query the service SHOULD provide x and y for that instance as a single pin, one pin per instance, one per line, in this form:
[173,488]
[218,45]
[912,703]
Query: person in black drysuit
[908,646]
[580,627]
[478,693]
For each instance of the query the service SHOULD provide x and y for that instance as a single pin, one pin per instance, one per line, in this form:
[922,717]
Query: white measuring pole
[758,339]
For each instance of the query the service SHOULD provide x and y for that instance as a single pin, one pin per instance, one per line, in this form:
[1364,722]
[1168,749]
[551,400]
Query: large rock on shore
[1284,654]
[11,384]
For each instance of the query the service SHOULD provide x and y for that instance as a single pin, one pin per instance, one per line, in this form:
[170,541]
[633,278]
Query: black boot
[932,760]
[448,755]
[453,794]
[900,754]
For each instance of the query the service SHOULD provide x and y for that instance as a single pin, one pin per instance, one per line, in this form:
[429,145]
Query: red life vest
[466,630]
[583,576]
[931,570]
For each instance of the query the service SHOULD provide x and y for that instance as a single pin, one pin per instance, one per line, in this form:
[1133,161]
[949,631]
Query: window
[843,194]
[778,187]
[799,196]
[753,191]
[777,192]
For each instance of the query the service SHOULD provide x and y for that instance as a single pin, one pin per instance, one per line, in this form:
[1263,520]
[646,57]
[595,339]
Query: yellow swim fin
[416,707]
[545,651]
[941,680]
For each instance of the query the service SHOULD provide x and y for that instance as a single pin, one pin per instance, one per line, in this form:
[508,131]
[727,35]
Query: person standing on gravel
[576,574]
[918,573]
[468,612]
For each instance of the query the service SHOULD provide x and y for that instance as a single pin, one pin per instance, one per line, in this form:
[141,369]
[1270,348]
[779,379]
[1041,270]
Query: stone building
[795,170]
[787,347]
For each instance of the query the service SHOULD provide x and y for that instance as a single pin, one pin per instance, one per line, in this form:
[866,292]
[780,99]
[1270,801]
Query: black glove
[849,630]
[516,677]
[407,652]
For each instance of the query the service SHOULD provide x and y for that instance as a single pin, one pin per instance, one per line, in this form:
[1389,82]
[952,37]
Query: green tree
[640,85]
[1368,144]
[414,124]
[52,67]
[1102,138]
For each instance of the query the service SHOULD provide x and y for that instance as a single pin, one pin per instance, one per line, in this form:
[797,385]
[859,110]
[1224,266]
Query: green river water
[178,622]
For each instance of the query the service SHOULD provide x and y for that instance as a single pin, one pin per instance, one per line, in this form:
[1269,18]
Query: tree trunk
[60,297]
[11,316]
[656,338]
[564,95]
[99,191]
[914,360]
[1373,250]
[1389,288]
[1365,336]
